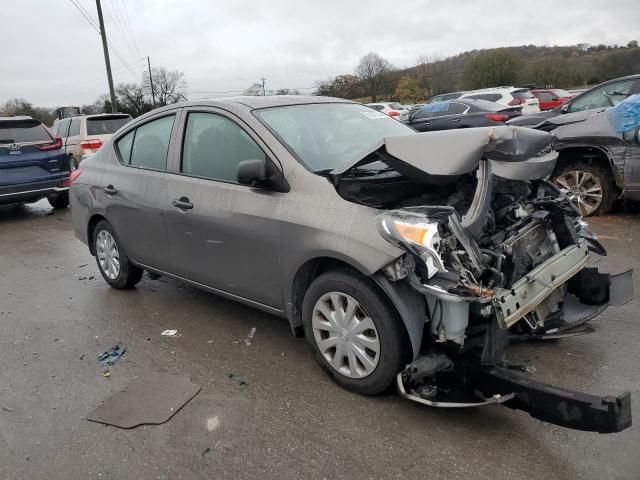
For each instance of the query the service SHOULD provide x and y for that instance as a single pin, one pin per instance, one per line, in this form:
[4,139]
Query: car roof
[17,117]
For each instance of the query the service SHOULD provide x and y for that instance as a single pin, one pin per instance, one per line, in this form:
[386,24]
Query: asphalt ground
[289,421]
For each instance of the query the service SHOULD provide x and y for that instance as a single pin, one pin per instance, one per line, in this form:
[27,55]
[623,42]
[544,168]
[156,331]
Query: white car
[83,135]
[393,109]
[510,96]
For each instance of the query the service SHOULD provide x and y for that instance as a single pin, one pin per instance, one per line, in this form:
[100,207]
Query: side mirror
[253,173]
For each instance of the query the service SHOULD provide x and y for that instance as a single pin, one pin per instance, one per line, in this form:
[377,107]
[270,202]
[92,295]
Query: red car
[551,98]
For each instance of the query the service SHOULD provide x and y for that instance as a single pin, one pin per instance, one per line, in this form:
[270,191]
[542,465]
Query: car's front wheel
[353,331]
[113,262]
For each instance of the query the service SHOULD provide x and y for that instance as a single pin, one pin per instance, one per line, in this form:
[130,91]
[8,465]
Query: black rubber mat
[152,398]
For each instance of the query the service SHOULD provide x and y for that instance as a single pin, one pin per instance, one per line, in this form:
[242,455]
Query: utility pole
[103,34]
[153,95]
[264,92]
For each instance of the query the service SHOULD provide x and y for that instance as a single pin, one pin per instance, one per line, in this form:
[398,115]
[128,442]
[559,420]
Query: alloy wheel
[582,188]
[108,255]
[345,335]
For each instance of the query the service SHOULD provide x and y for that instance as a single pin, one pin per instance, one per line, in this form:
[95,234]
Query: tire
[596,178]
[126,275]
[59,200]
[393,348]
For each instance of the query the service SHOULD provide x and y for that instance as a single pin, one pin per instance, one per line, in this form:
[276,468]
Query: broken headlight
[414,233]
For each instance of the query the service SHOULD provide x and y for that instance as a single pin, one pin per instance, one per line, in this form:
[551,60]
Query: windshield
[324,136]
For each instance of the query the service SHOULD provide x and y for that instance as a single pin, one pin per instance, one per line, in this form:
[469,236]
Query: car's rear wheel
[59,200]
[353,331]
[113,262]
[589,187]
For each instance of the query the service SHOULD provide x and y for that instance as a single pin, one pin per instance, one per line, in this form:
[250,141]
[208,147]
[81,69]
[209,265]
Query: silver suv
[401,256]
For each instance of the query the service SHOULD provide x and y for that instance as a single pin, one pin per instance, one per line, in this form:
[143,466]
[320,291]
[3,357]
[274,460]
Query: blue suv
[33,164]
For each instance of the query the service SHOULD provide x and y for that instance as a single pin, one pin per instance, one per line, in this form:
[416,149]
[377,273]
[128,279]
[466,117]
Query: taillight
[393,113]
[71,178]
[46,147]
[496,117]
[516,101]
[91,144]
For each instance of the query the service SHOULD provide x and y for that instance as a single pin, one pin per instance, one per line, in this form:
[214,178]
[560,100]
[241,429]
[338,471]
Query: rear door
[26,155]
[134,189]
[222,234]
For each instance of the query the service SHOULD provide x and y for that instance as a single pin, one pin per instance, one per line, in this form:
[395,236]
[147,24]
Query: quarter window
[214,146]
[124,146]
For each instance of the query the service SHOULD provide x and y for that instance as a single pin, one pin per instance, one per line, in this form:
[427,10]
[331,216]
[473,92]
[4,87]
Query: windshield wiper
[323,171]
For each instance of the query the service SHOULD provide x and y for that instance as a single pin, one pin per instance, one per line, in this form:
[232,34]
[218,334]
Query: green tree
[491,68]
[408,90]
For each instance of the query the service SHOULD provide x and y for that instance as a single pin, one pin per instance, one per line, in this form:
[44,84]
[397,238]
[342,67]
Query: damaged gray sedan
[404,258]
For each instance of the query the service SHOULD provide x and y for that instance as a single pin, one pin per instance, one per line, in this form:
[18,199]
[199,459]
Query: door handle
[455,120]
[182,203]
[109,190]
[427,123]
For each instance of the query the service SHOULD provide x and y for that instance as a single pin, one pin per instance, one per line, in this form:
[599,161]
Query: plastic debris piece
[241,381]
[626,115]
[247,340]
[169,333]
[110,357]
[105,373]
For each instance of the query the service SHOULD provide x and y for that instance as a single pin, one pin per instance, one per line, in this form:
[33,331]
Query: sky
[55,57]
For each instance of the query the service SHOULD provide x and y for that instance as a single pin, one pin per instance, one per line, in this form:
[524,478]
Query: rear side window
[105,125]
[74,129]
[545,96]
[147,145]
[395,106]
[23,131]
[214,146]
[377,107]
[456,108]
[522,94]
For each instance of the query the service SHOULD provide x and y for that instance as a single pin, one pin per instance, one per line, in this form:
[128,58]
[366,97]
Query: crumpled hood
[457,152]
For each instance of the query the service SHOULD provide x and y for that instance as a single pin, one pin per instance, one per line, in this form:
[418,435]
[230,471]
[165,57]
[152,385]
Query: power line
[89,19]
[119,26]
[133,37]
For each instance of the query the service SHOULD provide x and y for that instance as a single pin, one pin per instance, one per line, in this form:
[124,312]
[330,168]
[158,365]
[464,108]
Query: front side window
[147,146]
[605,96]
[64,129]
[74,129]
[545,97]
[327,135]
[214,146]
[491,97]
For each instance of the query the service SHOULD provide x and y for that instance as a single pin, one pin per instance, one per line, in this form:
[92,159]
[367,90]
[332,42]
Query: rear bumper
[30,192]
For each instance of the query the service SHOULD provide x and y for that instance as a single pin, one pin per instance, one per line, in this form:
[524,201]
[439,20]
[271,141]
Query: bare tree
[254,90]
[133,99]
[435,74]
[372,69]
[169,86]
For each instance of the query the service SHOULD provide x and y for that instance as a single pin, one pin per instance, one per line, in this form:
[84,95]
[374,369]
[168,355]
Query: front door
[222,234]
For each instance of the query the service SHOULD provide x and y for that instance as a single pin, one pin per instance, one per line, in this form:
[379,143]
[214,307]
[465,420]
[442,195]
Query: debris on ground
[7,409]
[152,398]
[110,357]
[205,451]
[241,381]
[169,333]
[83,265]
[247,340]
[105,373]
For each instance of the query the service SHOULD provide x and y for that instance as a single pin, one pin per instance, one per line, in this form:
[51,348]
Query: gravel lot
[290,421]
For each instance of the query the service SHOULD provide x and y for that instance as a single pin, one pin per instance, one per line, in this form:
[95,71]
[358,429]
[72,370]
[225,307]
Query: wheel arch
[91,225]
[591,154]
[408,304]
